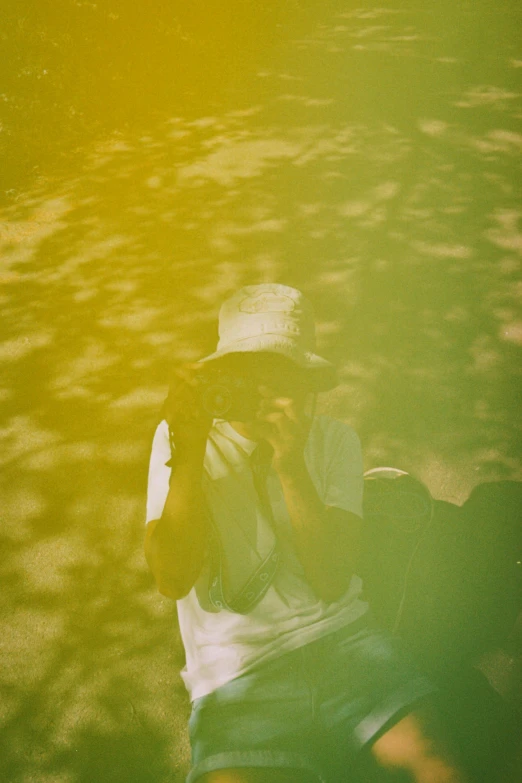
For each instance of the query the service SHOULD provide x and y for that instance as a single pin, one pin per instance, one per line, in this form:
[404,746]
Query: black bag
[446,578]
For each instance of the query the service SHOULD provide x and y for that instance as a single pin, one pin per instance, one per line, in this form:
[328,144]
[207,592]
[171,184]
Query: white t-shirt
[221,645]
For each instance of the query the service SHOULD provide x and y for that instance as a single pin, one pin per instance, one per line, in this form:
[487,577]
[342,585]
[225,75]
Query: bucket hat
[275,318]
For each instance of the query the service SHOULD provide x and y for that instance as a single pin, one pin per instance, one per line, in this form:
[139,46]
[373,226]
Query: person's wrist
[193,452]
[290,466]
[190,451]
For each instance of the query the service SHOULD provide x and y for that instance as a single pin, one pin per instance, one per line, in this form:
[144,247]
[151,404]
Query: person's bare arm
[327,539]
[175,543]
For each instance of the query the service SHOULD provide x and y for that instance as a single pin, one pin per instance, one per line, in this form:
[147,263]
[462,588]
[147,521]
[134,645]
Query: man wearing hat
[254,519]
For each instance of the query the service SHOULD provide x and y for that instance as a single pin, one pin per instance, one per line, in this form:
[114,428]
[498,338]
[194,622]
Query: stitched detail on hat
[267,303]
[276,327]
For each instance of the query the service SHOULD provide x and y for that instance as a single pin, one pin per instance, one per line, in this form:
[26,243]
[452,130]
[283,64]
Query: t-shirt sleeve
[343,465]
[159,472]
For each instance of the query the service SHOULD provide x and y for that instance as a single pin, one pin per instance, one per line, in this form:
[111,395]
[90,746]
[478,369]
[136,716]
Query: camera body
[226,395]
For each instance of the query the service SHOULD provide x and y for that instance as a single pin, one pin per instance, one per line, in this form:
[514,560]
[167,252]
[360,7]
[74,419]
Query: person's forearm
[175,544]
[326,550]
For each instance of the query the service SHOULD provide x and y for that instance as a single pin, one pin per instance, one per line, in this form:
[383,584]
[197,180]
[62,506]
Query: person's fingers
[266,391]
[279,422]
[291,410]
[273,417]
[272,404]
[182,396]
[284,406]
[184,401]
[188,373]
[270,399]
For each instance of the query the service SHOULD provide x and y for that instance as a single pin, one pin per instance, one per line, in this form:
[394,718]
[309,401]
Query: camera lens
[217,400]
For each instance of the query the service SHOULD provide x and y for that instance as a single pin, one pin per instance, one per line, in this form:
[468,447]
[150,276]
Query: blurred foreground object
[448,581]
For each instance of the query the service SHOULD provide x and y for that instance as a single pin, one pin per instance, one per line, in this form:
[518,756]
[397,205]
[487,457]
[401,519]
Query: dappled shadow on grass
[401,224]
[90,654]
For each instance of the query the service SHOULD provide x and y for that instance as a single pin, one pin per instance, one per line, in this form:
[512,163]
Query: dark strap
[261,579]
[260,462]
[254,590]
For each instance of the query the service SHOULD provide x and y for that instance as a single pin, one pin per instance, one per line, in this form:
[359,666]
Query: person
[253,527]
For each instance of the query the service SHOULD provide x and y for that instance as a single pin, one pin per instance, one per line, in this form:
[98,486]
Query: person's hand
[184,413]
[284,423]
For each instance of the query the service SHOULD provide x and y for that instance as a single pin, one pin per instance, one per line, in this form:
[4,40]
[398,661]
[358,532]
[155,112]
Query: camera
[229,396]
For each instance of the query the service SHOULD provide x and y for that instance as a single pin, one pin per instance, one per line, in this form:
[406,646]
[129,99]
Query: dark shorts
[311,709]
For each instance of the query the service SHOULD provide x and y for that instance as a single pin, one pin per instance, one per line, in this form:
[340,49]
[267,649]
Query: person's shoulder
[162,428]
[334,454]
[331,440]
[333,430]
[161,435]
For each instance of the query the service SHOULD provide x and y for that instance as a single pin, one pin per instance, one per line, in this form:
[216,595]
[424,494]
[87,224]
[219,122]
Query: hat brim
[324,372]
